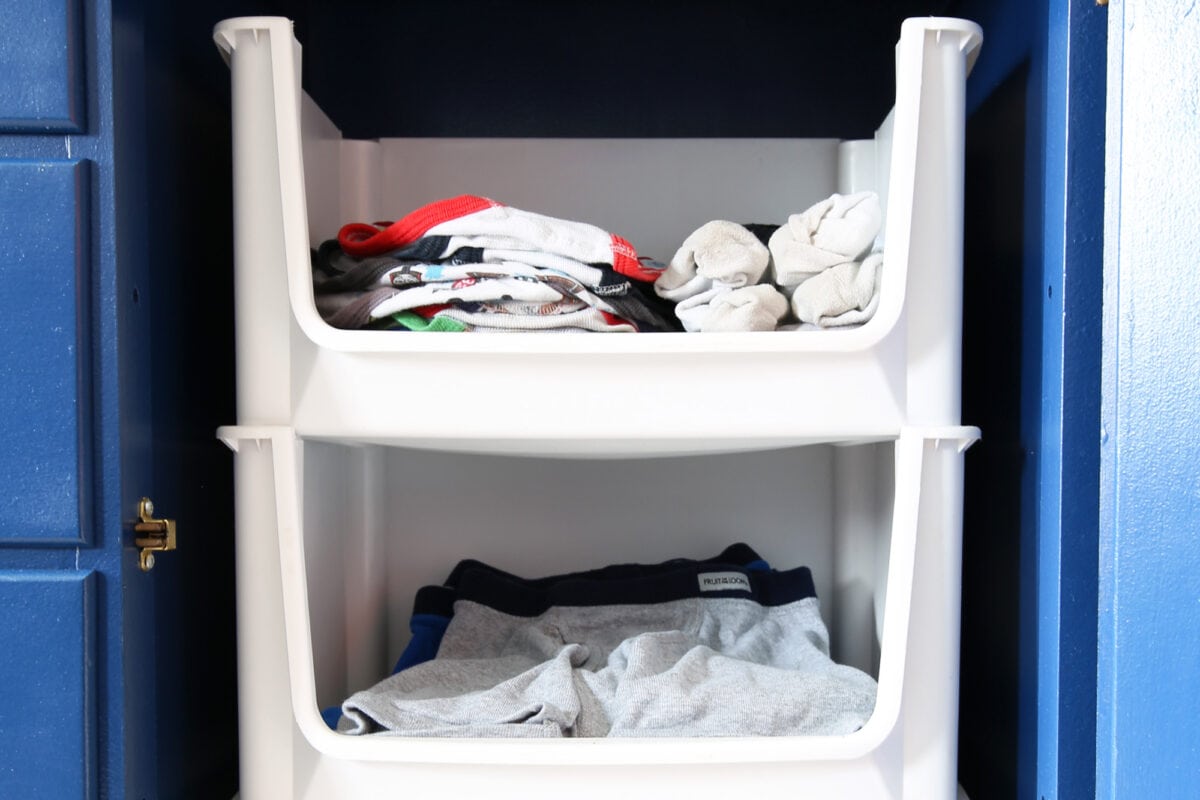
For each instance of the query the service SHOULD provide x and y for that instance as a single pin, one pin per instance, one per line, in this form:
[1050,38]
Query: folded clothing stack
[731,277]
[718,647]
[470,263]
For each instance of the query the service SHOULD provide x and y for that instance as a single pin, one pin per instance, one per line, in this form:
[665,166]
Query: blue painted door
[77,668]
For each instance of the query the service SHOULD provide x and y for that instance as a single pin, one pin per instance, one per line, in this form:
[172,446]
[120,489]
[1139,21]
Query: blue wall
[1148,737]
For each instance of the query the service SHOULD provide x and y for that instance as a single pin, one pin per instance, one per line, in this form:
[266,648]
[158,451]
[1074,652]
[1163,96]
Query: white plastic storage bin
[334,538]
[838,449]
[679,392]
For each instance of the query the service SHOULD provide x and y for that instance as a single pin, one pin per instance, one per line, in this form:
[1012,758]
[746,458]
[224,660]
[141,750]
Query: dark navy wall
[994,288]
[188,169]
[618,68]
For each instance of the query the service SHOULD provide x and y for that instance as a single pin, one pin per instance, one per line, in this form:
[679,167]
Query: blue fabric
[427,631]
[331,716]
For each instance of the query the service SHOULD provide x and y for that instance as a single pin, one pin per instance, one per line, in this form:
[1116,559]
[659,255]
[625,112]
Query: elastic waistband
[739,554]
[704,581]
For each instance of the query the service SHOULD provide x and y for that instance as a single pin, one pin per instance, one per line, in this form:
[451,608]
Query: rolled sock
[721,308]
[685,290]
[846,294]
[469,215]
[751,308]
[693,311]
[721,251]
[834,231]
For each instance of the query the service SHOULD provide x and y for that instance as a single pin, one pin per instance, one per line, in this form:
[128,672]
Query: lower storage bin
[334,538]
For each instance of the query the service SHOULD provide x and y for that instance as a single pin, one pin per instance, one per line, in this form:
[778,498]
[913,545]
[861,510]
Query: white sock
[693,311]
[724,308]
[719,251]
[846,294]
[750,308]
[834,231]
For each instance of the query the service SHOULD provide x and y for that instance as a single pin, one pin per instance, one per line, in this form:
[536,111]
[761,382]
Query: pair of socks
[836,230]
[700,650]
[731,277]
[714,281]
[817,258]
[845,294]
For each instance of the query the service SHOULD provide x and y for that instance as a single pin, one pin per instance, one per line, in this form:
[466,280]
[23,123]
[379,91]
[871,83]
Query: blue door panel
[45,413]
[47,680]
[41,70]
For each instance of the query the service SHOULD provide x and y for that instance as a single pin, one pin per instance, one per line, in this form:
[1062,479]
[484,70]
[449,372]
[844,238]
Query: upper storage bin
[297,181]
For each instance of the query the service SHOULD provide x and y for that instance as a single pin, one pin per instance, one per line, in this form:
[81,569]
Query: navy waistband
[705,580]
[437,600]
[740,554]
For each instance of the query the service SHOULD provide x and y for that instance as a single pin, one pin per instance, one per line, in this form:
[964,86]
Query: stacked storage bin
[368,462]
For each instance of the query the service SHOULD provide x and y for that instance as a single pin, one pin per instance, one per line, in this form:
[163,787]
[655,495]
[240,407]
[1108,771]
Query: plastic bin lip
[602,751]
[565,448]
[530,343]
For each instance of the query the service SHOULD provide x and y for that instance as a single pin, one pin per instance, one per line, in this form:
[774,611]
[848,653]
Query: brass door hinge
[151,535]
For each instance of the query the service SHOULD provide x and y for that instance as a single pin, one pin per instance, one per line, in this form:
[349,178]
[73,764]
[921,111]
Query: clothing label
[723,582]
